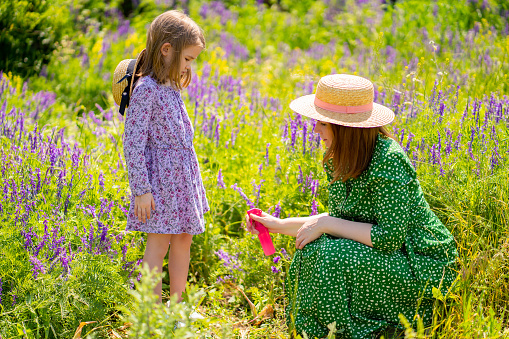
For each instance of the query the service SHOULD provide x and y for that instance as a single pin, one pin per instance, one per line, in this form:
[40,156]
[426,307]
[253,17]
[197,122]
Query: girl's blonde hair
[180,31]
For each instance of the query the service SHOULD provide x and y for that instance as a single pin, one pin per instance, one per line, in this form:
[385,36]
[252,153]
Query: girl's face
[189,54]
[324,129]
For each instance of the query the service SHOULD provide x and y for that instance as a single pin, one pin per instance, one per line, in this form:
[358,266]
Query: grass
[65,257]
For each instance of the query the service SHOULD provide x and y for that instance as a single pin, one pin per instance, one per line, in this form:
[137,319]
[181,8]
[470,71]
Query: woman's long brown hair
[351,150]
[180,31]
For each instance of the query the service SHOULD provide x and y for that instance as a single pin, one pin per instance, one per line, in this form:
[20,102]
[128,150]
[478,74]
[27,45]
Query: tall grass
[65,257]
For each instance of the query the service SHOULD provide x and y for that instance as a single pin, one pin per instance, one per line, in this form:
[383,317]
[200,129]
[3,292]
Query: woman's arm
[307,229]
[341,228]
[288,226]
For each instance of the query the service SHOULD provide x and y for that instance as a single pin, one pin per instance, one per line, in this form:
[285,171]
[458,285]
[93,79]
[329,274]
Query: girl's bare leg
[155,251]
[178,263]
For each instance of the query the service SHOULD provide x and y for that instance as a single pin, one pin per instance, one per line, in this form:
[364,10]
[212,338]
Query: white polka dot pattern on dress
[364,289]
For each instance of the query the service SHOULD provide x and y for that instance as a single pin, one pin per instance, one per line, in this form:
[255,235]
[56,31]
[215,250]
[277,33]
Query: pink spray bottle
[264,235]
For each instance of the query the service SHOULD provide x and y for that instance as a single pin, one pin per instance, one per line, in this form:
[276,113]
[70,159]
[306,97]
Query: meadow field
[68,269]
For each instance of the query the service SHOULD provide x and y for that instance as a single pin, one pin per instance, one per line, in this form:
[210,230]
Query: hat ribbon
[124,102]
[125,94]
[127,76]
[343,109]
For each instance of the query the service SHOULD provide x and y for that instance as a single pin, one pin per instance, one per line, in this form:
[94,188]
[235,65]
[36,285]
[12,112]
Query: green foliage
[33,29]
[54,306]
[30,30]
[153,320]
[414,51]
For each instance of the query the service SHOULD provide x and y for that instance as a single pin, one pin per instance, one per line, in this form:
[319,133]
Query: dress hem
[172,232]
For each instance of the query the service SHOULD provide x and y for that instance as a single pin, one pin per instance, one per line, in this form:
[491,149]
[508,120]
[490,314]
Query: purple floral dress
[160,157]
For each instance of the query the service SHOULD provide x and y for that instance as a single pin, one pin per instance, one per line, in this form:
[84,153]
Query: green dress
[363,289]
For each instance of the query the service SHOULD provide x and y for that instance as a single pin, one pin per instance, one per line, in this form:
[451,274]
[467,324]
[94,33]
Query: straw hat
[123,80]
[346,100]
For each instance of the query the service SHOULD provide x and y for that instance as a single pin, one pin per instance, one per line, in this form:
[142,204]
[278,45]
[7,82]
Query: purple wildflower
[76,156]
[441,112]
[65,263]
[90,239]
[257,188]
[233,138]
[409,140]
[231,46]
[435,158]
[300,178]
[293,128]
[37,266]
[109,114]
[402,136]
[304,136]
[243,195]
[29,236]
[45,238]
[217,132]
[439,142]
[220,182]
[314,208]
[101,180]
[224,256]
[277,210]
[267,154]
[448,141]
[457,143]
[124,252]
[276,259]
[285,132]
[476,111]
[494,158]
[123,209]
[314,187]
[231,262]
[274,269]
[308,183]
[225,278]
[470,143]
[53,154]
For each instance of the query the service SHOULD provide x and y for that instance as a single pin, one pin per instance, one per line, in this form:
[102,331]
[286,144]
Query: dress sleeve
[391,203]
[135,139]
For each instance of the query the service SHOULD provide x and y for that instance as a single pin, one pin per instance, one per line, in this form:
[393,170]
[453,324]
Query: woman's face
[324,129]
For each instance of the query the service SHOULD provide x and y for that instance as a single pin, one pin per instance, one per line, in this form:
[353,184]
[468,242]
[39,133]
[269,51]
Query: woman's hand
[142,206]
[309,231]
[273,224]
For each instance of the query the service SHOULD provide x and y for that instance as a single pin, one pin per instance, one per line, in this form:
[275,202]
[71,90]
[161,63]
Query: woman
[381,250]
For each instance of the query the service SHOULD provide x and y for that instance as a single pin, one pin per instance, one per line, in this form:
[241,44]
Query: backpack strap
[125,94]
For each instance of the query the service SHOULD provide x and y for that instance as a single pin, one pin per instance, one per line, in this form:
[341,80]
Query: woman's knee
[344,253]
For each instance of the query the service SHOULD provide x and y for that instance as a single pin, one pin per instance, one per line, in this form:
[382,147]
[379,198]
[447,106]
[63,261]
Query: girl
[168,199]
[381,250]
